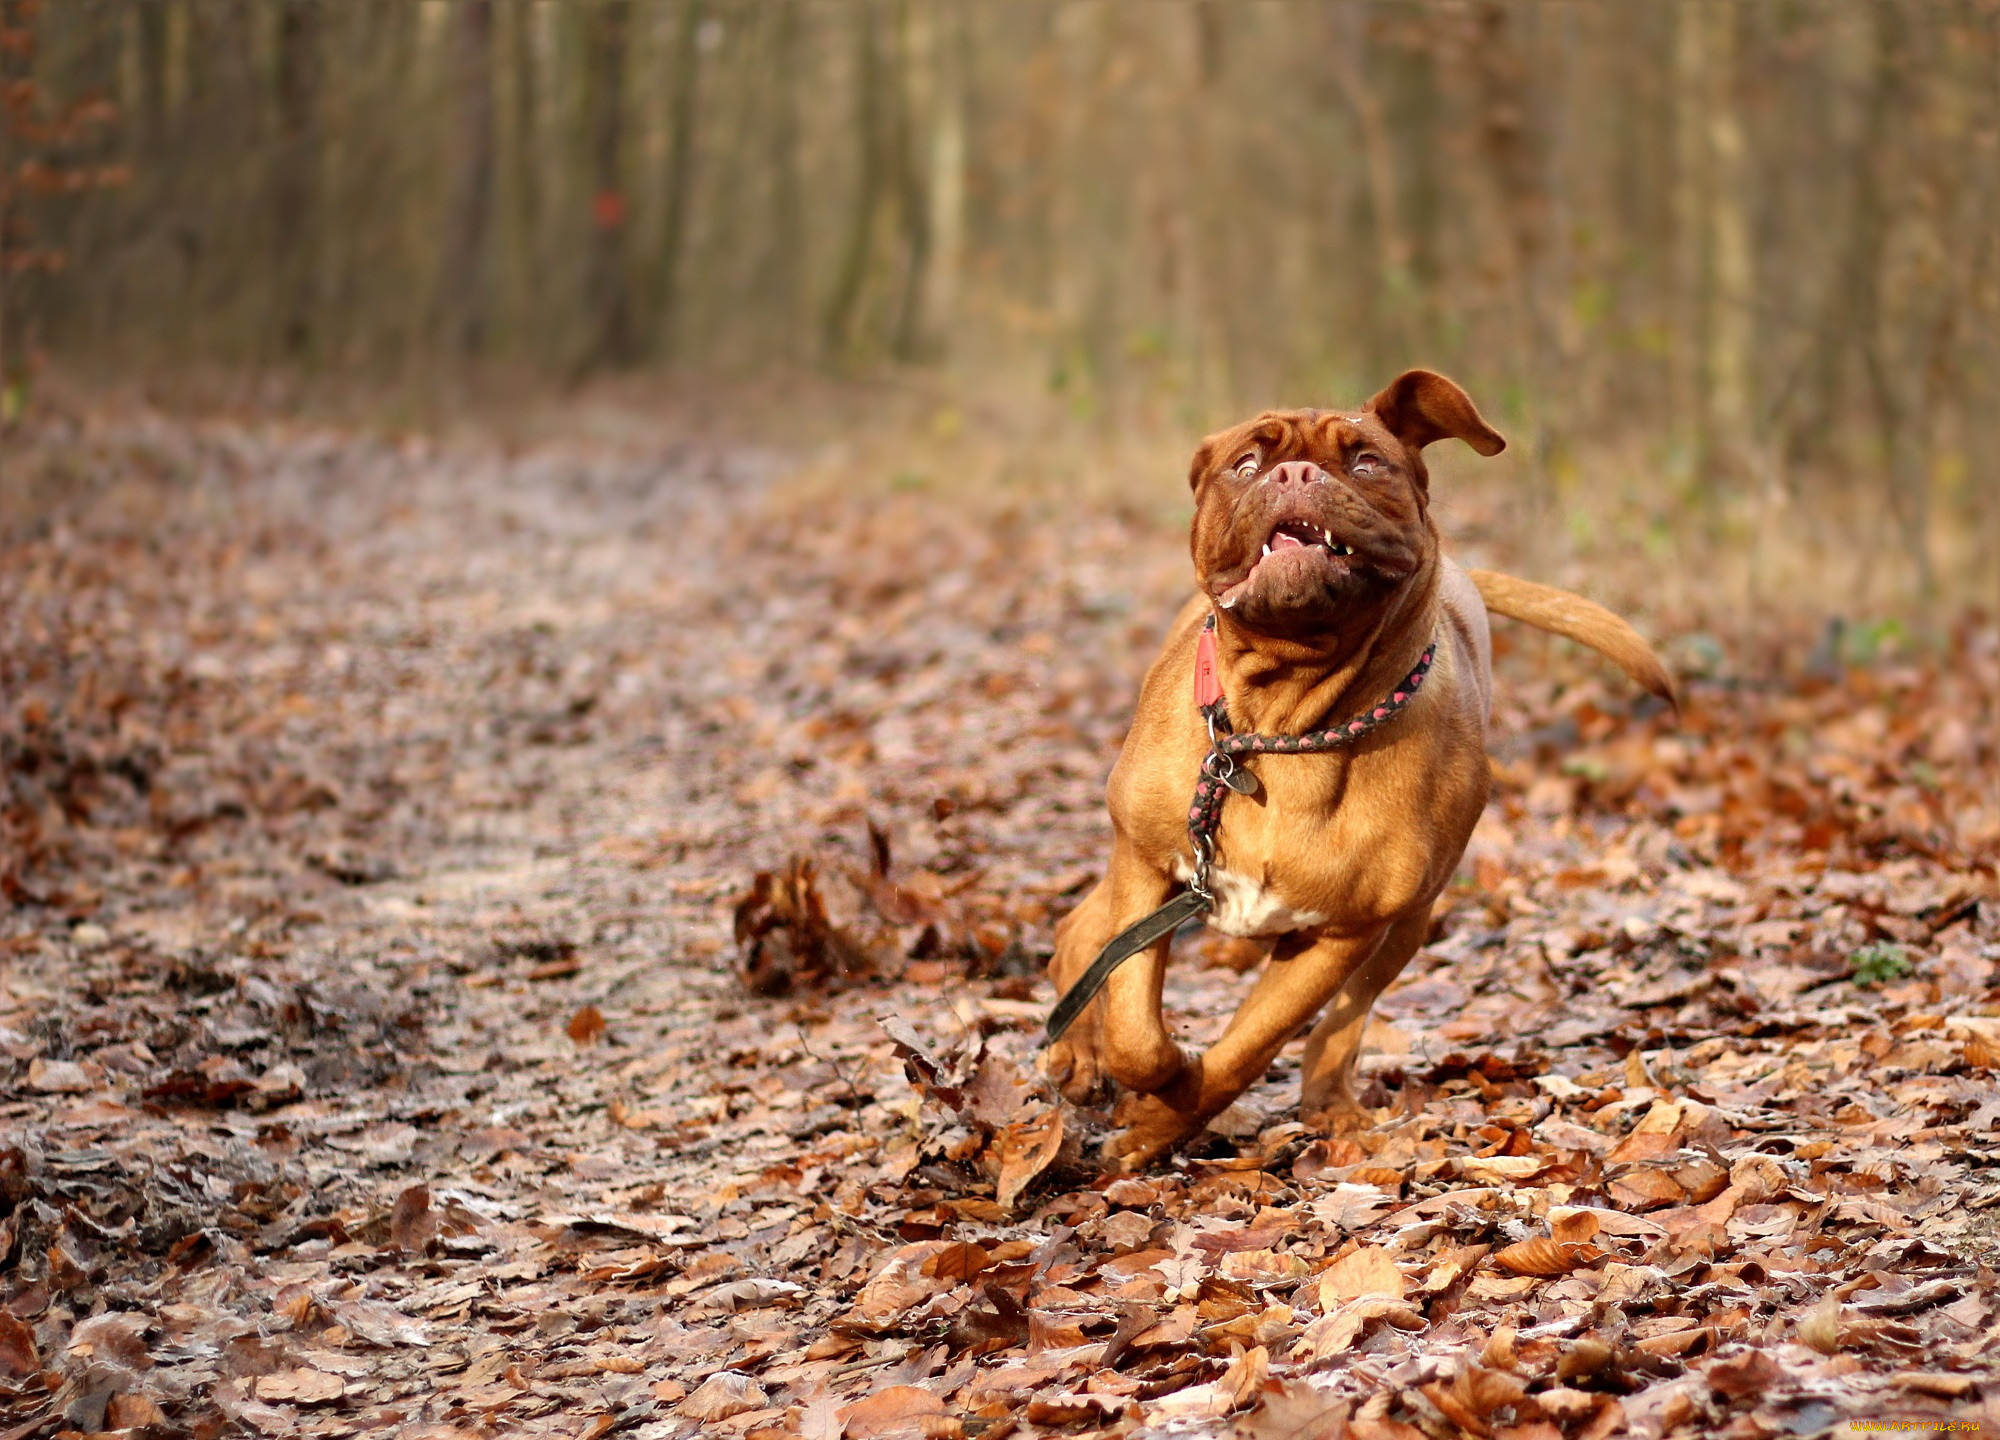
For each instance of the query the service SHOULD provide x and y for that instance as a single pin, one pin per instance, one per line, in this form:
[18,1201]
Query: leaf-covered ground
[376,819]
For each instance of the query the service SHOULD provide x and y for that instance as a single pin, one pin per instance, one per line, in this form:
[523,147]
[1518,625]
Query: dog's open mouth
[1294,535]
[1291,542]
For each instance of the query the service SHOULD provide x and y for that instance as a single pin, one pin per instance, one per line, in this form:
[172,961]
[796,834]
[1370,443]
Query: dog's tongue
[1282,541]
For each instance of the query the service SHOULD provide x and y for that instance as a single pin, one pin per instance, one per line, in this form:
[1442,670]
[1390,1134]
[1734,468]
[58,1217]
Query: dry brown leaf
[413,1224]
[1242,1384]
[1574,1227]
[721,1395]
[1945,1387]
[785,939]
[1073,1409]
[1504,1169]
[1262,1266]
[1135,1193]
[957,1262]
[133,1411]
[1027,1148]
[1584,1357]
[1647,1190]
[1334,1333]
[299,1387]
[1295,1410]
[59,1077]
[586,1027]
[897,1410]
[1739,1376]
[1544,1255]
[1366,1271]
[900,1282]
[18,1356]
[118,1335]
[1474,1394]
[1382,1428]
[1822,1328]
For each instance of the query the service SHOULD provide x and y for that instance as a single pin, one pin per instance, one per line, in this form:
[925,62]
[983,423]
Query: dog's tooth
[1229,603]
[1267,549]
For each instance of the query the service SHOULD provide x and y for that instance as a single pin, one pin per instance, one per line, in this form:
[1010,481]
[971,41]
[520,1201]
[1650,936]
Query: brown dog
[1317,557]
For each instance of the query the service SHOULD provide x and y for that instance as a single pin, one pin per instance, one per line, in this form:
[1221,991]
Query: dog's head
[1308,521]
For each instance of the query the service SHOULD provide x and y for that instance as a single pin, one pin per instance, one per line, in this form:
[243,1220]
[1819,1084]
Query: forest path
[376,813]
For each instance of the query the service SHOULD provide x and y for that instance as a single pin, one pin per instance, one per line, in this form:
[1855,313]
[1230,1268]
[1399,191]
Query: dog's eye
[1366,463]
[1247,466]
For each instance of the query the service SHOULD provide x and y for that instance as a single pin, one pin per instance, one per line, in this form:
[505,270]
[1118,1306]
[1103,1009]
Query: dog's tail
[1588,623]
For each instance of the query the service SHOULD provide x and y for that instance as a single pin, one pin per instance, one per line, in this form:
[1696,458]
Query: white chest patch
[1244,907]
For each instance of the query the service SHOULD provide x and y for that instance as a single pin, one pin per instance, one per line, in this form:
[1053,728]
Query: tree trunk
[946,188]
[1350,64]
[294,187]
[852,273]
[1904,438]
[1730,290]
[463,277]
[783,286]
[917,101]
[679,185]
[608,291]
[1690,66]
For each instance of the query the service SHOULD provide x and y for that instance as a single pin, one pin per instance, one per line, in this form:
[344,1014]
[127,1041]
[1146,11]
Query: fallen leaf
[412,1224]
[586,1027]
[1295,1410]
[18,1357]
[380,1324]
[1544,1255]
[721,1395]
[133,1411]
[897,1410]
[58,1077]
[1504,1169]
[299,1387]
[753,1292]
[959,1261]
[1367,1271]
[1027,1148]
[1945,1387]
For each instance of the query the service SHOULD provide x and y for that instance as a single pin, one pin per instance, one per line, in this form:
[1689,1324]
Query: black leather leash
[1220,774]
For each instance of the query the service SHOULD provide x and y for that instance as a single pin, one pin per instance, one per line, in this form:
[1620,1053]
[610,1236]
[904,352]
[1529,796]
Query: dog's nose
[1296,472]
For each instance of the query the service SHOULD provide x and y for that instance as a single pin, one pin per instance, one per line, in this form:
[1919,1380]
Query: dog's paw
[1074,1066]
[1341,1117]
[1149,1128]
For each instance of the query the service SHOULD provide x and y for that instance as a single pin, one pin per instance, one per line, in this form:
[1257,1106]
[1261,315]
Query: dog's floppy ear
[1420,406]
[1204,456]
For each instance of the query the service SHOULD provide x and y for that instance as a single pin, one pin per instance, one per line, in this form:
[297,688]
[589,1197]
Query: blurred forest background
[1728,273]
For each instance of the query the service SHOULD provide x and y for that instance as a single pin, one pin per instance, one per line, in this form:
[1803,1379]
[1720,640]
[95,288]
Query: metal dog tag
[1241,781]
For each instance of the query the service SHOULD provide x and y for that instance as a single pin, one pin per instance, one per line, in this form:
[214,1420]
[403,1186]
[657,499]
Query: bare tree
[464,283]
[294,172]
[608,296]
[678,184]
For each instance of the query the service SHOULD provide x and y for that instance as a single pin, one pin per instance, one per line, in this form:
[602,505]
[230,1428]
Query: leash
[1220,775]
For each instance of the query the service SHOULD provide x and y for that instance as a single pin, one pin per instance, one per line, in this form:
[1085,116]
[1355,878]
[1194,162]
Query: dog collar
[1220,774]
[1219,769]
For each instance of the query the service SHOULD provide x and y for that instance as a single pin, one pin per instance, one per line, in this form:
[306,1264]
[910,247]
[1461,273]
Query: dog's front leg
[1119,1036]
[1299,979]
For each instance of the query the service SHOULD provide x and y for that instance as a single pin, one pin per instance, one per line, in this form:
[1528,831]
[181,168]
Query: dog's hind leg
[1326,1079]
